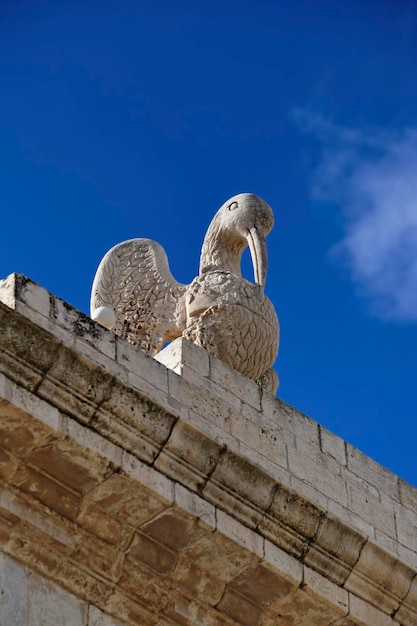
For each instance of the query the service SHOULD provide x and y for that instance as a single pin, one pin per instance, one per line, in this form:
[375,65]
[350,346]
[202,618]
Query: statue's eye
[233,206]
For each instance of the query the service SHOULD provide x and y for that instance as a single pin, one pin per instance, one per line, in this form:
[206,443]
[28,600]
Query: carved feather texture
[220,311]
[240,325]
[134,280]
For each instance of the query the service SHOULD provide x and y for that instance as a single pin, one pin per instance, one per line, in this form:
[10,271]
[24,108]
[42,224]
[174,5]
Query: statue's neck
[221,251]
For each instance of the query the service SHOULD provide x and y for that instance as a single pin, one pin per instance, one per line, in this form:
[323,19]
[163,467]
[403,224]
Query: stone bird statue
[135,294]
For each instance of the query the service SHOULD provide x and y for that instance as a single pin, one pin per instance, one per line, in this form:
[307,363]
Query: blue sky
[131,119]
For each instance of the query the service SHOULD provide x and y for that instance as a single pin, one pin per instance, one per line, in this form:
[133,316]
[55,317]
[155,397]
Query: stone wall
[28,599]
[178,492]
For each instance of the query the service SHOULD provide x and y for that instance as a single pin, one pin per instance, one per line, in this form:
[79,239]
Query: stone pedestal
[175,491]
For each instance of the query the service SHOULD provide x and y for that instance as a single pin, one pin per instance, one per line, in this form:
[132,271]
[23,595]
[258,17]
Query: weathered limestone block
[335,550]
[190,454]
[132,493]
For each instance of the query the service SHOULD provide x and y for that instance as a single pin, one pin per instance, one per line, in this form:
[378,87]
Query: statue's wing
[135,293]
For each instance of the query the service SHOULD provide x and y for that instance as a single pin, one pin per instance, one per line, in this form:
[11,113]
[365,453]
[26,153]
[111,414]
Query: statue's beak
[257,247]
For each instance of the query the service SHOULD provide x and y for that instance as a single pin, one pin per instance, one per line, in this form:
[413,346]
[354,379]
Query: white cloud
[372,177]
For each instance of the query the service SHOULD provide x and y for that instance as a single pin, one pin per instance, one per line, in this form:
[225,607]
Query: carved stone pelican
[135,294]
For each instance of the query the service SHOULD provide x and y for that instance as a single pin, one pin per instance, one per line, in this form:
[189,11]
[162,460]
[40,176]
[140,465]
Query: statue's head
[244,220]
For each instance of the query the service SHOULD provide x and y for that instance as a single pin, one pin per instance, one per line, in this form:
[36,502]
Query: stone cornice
[171,420]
